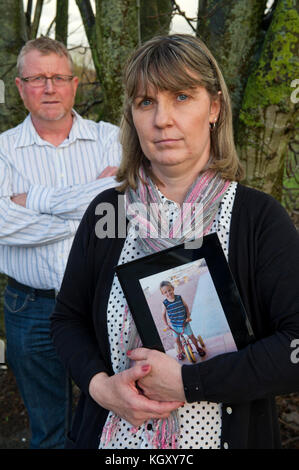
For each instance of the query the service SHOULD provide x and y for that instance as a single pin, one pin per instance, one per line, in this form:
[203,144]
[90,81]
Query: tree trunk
[36,19]
[89,23]
[13,35]
[112,34]
[290,187]
[268,115]
[155,18]
[232,31]
[116,37]
[61,30]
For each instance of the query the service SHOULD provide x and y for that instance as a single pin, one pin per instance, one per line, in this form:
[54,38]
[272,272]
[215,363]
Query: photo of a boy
[177,311]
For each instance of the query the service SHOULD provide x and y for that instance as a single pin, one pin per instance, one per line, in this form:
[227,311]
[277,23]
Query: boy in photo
[179,315]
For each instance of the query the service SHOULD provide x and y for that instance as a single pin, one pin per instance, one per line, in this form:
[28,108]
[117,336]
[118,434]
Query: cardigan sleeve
[72,328]
[270,283]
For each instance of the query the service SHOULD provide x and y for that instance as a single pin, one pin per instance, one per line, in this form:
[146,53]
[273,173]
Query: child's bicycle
[186,344]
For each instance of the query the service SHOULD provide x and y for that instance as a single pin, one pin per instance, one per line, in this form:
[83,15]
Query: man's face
[49,102]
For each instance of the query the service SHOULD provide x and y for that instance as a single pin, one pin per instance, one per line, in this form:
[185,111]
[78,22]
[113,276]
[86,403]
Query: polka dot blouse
[199,423]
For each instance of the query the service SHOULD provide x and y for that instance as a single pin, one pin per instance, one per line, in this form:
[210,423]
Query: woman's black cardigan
[264,260]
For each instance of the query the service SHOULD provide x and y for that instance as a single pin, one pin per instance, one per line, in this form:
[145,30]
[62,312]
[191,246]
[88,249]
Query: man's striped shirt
[60,182]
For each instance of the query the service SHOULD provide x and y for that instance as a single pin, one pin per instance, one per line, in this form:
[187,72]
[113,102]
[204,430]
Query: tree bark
[13,35]
[232,31]
[61,30]
[290,187]
[112,34]
[88,19]
[36,19]
[28,16]
[268,116]
[89,23]
[116,37]
[155,18]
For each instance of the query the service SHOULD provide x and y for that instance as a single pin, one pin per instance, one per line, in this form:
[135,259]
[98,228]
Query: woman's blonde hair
[175,63]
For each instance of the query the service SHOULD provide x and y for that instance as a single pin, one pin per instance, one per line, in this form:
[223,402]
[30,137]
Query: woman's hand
[119,394]
[164,380]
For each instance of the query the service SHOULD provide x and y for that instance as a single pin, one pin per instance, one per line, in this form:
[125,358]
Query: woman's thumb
[139,371]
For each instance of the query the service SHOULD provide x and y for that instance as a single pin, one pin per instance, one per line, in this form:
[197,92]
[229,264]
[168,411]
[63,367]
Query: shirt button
[149,427]
[229,410]
[225,445]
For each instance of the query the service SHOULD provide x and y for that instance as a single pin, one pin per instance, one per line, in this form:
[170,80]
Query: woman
[178,147]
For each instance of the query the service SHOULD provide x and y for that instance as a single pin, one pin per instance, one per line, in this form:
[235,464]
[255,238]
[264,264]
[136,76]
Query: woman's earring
[213,125]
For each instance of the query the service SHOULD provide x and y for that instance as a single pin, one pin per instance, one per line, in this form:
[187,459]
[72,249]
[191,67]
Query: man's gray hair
[45,46]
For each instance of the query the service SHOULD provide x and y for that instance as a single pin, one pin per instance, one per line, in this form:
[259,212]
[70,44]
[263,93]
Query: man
[51,166]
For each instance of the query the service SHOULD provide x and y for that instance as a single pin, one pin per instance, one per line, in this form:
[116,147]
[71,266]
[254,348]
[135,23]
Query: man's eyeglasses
[39,81]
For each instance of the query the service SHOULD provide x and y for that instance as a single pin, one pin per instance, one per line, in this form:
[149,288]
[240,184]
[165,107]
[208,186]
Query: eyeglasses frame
[69,79]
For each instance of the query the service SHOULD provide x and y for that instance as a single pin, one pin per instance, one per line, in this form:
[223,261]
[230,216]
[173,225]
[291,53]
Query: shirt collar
[80,130]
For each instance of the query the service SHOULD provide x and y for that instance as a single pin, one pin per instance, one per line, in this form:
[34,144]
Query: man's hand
[108,171]
[20,199]
[119,394]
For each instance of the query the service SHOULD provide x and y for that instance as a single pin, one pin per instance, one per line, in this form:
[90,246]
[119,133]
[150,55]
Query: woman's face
[174,127]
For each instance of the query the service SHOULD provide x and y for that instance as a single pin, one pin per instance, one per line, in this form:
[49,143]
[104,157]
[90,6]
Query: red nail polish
[145,368]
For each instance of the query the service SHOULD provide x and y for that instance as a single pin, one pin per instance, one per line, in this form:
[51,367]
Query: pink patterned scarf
[144,207]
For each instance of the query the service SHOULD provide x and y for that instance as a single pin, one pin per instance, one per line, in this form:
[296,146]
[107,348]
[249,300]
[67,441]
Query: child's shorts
[177,330]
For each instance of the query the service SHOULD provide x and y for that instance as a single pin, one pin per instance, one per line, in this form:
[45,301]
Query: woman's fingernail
[128,353]
[145,368]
